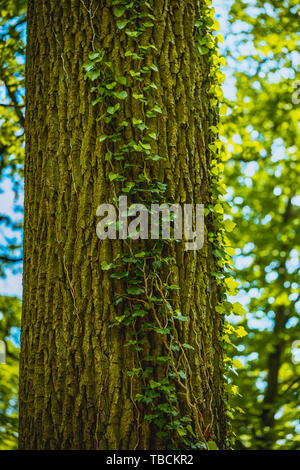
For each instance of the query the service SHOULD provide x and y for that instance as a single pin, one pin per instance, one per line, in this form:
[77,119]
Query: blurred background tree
[12,27]
[263,174]
[10,313]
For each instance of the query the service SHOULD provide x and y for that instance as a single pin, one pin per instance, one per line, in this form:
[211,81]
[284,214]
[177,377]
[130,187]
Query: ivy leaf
[93,74]
[190,429]
[203,50]
[231,284]
[163,359]
[110,86]
[122,24]
[187,346]
[157,109]
[145,145]
[181,431]
[154,384]
[229,225]
[153,135]
[220,309]
[136,122]
[238,309]
[128,187]
[93,55]
[122,95]
[135,371]
[217,275]
[212,445]
[237,364]
[223,109]
[113,109]
[118,11]
[154,158]
[105,266]
[135,290]
[219,209]
[179,316]
[138,397]
[119,275]
[133,34]
[88,65]
[240,332]
[121,80]
[113,176]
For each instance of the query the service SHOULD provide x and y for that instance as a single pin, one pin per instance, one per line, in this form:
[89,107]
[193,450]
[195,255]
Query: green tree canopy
[263,174]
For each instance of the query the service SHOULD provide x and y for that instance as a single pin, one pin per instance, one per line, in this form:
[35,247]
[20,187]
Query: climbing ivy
[148,297]
[215,212]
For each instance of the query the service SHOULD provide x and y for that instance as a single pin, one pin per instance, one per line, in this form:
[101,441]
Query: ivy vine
[148,301]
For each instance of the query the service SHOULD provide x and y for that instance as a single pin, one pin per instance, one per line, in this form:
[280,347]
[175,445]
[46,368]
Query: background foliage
[263,180]
[12,26]
[262,173]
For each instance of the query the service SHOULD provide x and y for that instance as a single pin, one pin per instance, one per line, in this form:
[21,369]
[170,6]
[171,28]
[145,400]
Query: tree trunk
[75,392]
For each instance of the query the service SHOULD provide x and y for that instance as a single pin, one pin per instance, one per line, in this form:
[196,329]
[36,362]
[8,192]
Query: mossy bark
[74,390]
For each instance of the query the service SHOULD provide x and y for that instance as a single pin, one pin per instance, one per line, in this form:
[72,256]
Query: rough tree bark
[74,391]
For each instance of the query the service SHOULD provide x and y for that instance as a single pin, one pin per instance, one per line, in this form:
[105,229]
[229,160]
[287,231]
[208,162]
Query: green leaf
[237,364]
[133,34]
[145,145]
[93,74]
[88,65]
[119,275]
[238,309]
[187,346]
[240,332]
[229,225]
[190,430]
[212,445]
[153,135]
[113,109]
[136,122]
[138,397]
[154,158]
[105,266]
[93,55]
[122,24]
[110,86]
[134,290]
[113,176]
[122,95]
[121,80]
[219,209]
[154,384]
[181,432]
[157,109]
[179,316]
[119,11]
[231,284]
